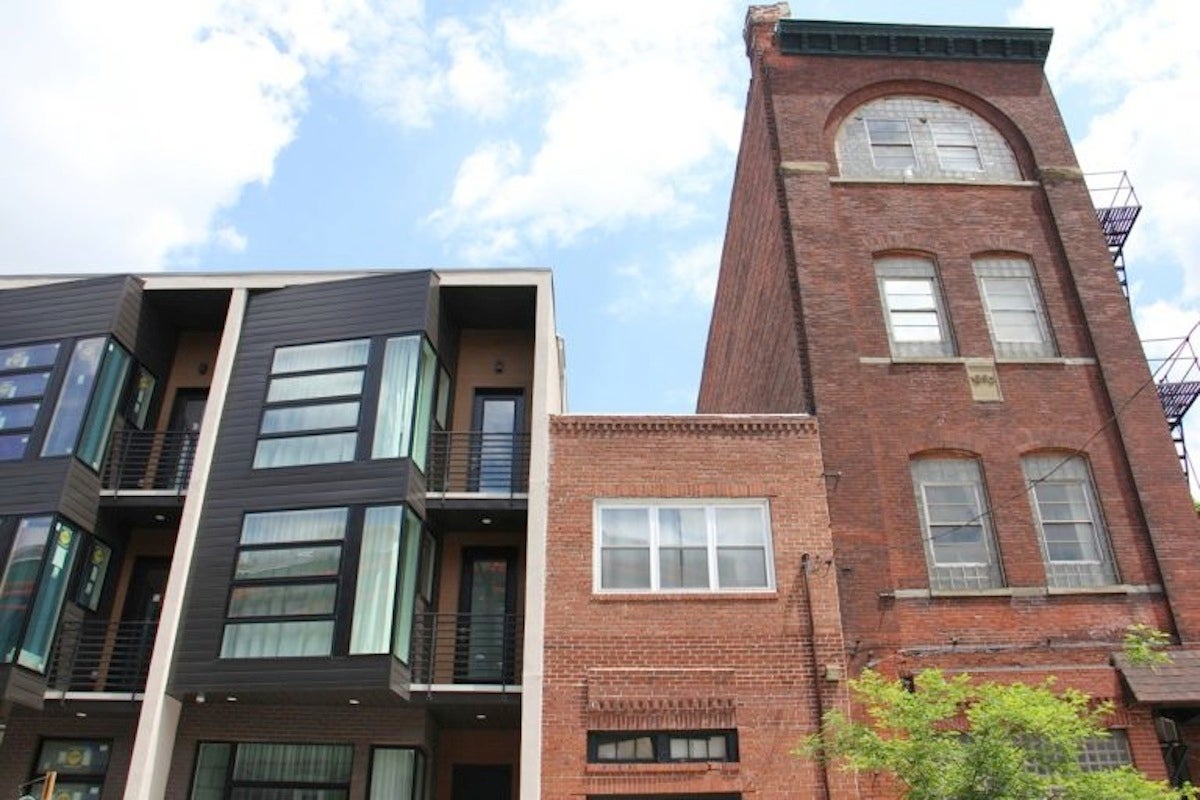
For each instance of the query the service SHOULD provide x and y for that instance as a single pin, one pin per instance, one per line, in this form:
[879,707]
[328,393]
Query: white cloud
[128,126]
[1137,60]
[640,115]
[690,277]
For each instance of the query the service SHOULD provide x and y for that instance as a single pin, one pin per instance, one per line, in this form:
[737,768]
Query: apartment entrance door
[175,463]
[487,616]
[499,418]
[481,782]
[139,619]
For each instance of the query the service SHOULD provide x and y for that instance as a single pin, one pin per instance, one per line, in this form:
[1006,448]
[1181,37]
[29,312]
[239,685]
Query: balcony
[157,462]
[100,657]
[475,462]
[480,650]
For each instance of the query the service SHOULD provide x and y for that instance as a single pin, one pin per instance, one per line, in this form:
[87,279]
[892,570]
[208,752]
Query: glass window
[397,773]
[268,771]
[91,586]
[56,572]
[955,524]
[1016,317]
[891,143]
[954,141]
[114,371]
[20,580]
[28,356]
[285,584]
[1074,539]
[63,433]
[24,374]
[397,397]
[424,418]
[652,746]
[683,546]
[296,431]
[80,764]
[912,306]
[402,635]
[375,591]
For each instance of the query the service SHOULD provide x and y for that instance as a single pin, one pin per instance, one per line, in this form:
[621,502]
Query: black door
[175,462]
[481,782]
[139,621]
[498,422]
[487,616]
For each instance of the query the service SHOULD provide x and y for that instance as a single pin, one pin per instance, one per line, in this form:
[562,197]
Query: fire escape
[1117,208]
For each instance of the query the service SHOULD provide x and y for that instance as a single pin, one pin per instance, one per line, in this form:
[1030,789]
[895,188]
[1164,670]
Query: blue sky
[596,138]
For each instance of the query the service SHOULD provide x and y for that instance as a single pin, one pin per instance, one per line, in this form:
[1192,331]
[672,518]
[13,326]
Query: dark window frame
[33,432]
[232,784]
[661,745]
[96,779]
[420,772]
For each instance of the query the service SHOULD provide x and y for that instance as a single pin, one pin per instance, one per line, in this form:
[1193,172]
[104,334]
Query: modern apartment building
[274,535]
[331,535]
[912,257]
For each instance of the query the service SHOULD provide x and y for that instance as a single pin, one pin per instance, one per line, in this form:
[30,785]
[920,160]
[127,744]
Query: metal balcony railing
[474,461]
[102,656]
[149,460]
[467,649]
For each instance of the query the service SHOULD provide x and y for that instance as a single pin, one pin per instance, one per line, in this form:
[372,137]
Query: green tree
[948,738]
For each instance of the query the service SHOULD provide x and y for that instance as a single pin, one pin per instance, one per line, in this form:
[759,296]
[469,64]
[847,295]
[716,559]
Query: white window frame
[872,144]
[915,269]
[709,505]
[939,144]
[1072,471]
[956,575]
[1014,270]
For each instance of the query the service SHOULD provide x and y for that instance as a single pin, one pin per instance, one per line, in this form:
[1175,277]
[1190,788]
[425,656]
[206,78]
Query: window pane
[397,398]
[20,578]
[73,757]
[103,410]
[624,527]
[888,131]
[292,562]
[143,394]
[73,397]
[330,448]
[312,387]
[915,294]
[212,766]
[402,641]
[310,418]
[12,447]
[742,568]
[682,527]
[326,355]
[18,415]
[1070,542]
[277,639]
[277,527]
[92,585]
[268,793]
[375,591]
[51,591]
[625,568]
[683,568]
[309,599]
[963,544]
[740,526]
[394,773]
[33,384]
[293,763]
[27,356]
[424,420]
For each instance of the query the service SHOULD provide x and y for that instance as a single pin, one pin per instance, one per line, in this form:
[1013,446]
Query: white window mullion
[710,524]
[654,553]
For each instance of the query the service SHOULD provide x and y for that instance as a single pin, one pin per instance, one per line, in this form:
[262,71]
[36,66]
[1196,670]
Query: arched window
[955,523]
[906,137]
[1071,527]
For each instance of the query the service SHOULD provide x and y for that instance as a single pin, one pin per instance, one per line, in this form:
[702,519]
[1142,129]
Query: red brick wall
[621,661]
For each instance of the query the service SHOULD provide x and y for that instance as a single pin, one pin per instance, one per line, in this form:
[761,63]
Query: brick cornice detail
[697,424]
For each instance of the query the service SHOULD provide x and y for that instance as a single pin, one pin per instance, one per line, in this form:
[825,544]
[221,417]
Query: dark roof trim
[881,40]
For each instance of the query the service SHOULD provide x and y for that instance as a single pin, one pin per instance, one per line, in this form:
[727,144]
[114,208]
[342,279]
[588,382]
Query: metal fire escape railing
[149,460]
[478,462]
[1117,208]
[1176,369]
[467,648]
[102,656]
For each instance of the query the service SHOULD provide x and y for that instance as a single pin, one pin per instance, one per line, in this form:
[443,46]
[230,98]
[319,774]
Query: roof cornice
[885,40]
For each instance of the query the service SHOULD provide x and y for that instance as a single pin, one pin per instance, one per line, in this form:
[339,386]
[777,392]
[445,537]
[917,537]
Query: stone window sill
[1023,591]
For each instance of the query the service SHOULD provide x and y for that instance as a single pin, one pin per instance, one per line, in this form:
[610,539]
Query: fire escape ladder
[1177,378]
[1117,208]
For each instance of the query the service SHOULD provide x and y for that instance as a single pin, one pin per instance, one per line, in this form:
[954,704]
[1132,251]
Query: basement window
[633,747]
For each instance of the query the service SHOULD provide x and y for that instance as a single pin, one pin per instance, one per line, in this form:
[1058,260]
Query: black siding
[374,306]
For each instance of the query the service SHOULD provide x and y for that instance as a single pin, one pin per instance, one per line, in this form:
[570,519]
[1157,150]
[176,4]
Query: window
[661,746]
[1098,753]
[33,588]
[63,434]
[683,546]
[912,305]
[397,773]
[312,410]
[267,771]
[391,542]
[91,584]
[285,584]
[891,143]
[954,141]
[24,374]
[1074,541]
[102,410]
[1014,309]
[406,395]
[80,764]
[955,523]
